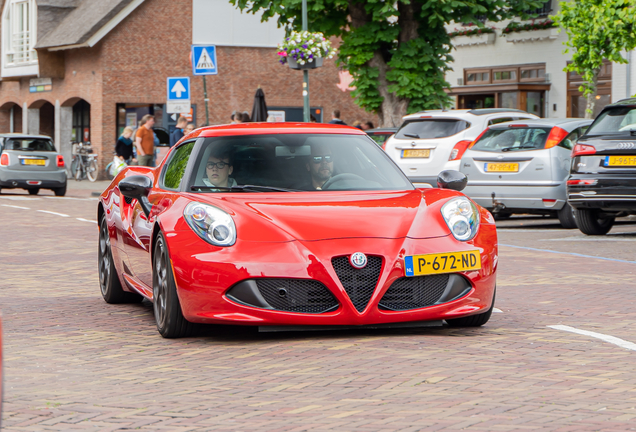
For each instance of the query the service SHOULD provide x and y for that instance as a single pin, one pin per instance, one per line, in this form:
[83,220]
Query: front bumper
[608,193]
[205,274]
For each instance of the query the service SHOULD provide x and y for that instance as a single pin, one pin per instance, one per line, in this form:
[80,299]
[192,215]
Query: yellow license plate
[450,262]
[33,162]
[501,167]
[416,153]
[620,160]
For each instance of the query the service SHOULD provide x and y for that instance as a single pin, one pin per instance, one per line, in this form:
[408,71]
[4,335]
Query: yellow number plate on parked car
[416,153]
[620,160]
[450,262]
[501,167]
[33,162]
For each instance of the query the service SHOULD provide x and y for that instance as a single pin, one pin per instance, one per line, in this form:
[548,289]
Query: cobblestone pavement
[74,362]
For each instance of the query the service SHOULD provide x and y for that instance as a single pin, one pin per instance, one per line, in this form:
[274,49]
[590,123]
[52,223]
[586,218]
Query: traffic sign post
[204,63]
[178,95]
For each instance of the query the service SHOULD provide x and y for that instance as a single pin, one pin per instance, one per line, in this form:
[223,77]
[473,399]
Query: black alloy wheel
[566,217]
[590,222]
[33,191]
[108,281]
[474,320]
[168,315]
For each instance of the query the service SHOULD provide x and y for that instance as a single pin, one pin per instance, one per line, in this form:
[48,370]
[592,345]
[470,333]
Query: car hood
[325,215]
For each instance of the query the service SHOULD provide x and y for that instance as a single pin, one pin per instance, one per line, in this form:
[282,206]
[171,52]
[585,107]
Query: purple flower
[311,56]
[305,46]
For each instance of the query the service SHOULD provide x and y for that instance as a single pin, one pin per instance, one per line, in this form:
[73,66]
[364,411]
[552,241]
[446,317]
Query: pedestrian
[357,124]
[246,117]
[367,125]
[145,140]
[189,128]
[238,117]
[177,134]
[233,117]
[335,118]
[312,119]
[124,147]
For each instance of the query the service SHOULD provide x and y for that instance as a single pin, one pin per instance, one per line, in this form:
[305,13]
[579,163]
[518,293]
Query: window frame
[162,184]
[9,24]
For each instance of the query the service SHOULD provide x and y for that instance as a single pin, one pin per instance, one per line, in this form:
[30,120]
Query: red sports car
[293,225]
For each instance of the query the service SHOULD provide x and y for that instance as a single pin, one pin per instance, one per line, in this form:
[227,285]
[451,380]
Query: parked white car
[432,141]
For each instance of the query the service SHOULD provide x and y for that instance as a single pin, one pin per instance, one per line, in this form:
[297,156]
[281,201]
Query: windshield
[29,144]
[614,120]
[432,128]
[512,139]
[294,162]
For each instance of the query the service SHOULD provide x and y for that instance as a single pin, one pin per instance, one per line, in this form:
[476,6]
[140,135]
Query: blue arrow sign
[178,88]
[204,60]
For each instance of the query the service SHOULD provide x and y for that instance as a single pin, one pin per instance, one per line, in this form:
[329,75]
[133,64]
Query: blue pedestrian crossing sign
[204,60]
[178,88]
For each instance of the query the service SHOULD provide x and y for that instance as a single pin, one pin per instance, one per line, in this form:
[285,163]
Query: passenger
[218,169]
[320,166]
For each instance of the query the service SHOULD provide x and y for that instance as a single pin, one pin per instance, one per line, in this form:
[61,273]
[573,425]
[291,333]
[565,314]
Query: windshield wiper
[244,188]
[506,149]
[411,135]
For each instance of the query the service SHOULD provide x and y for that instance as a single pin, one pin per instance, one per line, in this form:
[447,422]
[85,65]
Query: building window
[477,77]
[532,74]
[542,11]
[504,75]
[19,32]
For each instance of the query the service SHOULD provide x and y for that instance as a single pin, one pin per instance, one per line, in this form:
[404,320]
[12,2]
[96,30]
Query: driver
[320,165]
[218,169]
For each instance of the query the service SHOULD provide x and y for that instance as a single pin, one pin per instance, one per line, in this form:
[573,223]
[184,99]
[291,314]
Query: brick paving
[75,363]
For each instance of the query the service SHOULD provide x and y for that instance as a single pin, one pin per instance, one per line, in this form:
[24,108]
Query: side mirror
[137,187]
[451,179]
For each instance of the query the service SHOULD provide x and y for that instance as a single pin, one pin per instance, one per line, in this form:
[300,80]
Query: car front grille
[358,283]
[297,295]
[414,292]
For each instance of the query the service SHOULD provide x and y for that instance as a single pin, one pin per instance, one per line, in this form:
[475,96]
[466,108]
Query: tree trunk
[591,97]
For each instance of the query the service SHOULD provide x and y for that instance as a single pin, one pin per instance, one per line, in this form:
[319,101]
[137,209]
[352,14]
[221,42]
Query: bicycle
[84,164]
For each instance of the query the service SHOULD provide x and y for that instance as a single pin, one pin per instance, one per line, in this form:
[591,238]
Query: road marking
[19,198]
[592,239]
[86,220]
[497,310]
[53,213]
[70,198]
[567,253]
[607,338]
[18,207]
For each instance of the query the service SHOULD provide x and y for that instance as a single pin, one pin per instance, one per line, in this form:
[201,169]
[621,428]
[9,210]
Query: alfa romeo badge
[358,260]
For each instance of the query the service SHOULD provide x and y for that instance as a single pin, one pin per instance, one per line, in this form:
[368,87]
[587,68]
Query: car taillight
[459,149]
[517,125]
[556,136]
[477,139]
[587,182]
[60,161]
[583,149]
[4,160]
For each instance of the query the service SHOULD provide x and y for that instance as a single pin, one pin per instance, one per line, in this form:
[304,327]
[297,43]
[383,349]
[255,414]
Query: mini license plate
[450,262]
[620,161]
[501,167]
[416,153]
[40,162]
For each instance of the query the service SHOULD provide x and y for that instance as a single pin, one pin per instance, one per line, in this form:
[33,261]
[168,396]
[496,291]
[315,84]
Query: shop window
[508,100]
[534,103]
[19,32]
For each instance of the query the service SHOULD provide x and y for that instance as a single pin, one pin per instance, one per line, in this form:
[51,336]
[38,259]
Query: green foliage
[398,48]
[597,30]
[177,165]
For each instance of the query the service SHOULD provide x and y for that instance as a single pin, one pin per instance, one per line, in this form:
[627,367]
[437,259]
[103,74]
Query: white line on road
[86,220]
[607,338]
[53,213]
[18,207]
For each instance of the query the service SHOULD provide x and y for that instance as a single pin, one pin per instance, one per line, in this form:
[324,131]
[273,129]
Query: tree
[397,51]
[597,30]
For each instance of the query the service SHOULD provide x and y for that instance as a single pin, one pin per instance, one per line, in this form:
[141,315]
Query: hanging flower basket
[305,50]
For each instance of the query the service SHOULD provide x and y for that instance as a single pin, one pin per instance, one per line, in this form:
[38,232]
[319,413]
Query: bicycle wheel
[79,172]
[91,170]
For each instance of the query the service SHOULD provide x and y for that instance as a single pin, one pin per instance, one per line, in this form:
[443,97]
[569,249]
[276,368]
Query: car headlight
[462,217]
[211,224]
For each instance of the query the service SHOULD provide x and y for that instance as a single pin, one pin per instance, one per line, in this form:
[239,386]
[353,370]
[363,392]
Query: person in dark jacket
[335,118]
[124,146]
[177,134]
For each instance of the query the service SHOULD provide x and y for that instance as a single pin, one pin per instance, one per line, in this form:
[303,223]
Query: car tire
[61,191]
[108,280]
[474,320]
[34,191]
[566,217]
[590,223]
[168,315]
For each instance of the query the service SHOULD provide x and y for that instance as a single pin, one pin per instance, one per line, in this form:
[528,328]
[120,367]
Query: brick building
[81,70]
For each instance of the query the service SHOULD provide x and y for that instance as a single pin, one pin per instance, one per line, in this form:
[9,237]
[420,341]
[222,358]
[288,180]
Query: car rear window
[614,120]
[431,128]
[29,144]
[512,139]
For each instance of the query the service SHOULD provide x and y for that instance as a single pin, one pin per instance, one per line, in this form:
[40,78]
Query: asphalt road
[74,362]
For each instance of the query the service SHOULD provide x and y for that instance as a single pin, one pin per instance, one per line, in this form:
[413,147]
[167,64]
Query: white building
[524,70]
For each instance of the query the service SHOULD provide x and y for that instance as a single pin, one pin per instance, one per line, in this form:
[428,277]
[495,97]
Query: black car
[602,183]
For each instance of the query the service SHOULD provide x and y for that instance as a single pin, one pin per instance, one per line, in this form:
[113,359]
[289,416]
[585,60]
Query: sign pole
[306,109]
[205,98]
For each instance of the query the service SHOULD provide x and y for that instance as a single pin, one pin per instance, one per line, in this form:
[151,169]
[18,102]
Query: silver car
[31,162]
[522,167]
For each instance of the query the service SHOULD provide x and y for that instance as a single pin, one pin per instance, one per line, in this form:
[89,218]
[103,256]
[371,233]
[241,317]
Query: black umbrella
[259,110]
